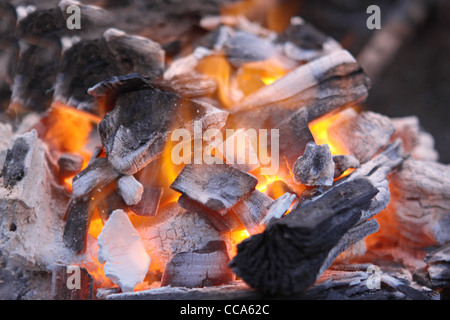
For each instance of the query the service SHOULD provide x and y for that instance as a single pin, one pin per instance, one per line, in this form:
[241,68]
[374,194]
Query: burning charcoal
[419,215]
[438,263]
[146,56]
[321,86]
[192,85]
[69,165]
[200,268]
[302,42]
[237,150]
[96,175]
[122,249]
[175,230]
[343,163]
[85,64]
[300,241]
[279,207]
[415,141]
[148,206]
[186,65]
[227,222]
[32,203]
[294,136]
[252,210]
[245,47]
[278,188]
[130,189]
[216,186]
[72,283]
[36,75]
[315,167]
[79,216]
[133,142]
[364,135]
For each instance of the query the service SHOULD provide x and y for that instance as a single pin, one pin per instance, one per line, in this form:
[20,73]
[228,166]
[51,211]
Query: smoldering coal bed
[94,205]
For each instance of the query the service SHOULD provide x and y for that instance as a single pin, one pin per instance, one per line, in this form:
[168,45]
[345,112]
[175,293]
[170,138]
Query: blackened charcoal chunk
[69,165]
[42,23]
[315,167]
[145,56]
[14,168]
[216,186]
[36,74]
[135,132]
[303,35]
[245,47]
[343,163]
[84,65]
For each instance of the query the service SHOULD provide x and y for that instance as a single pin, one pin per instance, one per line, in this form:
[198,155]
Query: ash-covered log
[286,258]
[200,268]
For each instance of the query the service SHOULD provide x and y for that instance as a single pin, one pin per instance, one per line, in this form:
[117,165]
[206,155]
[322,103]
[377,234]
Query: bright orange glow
[218,68]
[68,129]
[96,226]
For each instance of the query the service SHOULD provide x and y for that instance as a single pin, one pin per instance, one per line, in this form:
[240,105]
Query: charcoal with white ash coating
[315,167]
[200,268]
[287,257]
[135,131]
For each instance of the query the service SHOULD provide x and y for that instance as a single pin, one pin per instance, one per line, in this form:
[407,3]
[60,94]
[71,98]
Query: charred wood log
[287,257]
[438,269]
[200,268]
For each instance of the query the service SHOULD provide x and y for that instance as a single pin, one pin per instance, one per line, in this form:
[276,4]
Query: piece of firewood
[216,186]
[201,268]
[286,258]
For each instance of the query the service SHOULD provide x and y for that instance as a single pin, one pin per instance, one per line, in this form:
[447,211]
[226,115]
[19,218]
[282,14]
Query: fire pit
[209,157]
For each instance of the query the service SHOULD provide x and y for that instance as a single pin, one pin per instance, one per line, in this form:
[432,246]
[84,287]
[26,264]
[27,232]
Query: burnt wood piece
[145,56]
[132,142]
[98,174]
[364,135]
[221,222]
[72,283]
[438,262]
[14,167]
[36,75]
[315,167]
[322,85]
[216,186]
[286,258]
[191,85]
[252,210]
[278,208]
[294,135]
[200,268]
[78,218]
[303,35]
[85,64]
[149,204]
[245,47]
[69,165]
[343,163]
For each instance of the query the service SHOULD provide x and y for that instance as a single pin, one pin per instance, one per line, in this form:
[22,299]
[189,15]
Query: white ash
[130,189]
[121,247]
